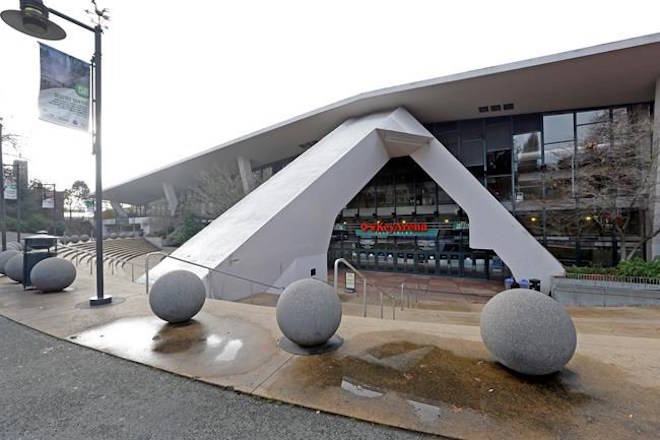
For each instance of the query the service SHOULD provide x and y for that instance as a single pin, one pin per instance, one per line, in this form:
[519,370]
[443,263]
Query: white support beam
[280,232]
[170,196]
[245,170]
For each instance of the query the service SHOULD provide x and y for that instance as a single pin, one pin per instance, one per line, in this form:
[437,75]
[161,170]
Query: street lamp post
[32,19]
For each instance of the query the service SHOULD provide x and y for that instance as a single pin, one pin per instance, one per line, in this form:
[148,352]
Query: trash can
[508,283]
[524,283]
[36,248]
[535,284]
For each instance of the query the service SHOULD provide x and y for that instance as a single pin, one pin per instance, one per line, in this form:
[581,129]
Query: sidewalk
[433,377]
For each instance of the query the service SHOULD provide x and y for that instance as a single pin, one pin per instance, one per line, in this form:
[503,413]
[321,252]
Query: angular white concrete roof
[612,73]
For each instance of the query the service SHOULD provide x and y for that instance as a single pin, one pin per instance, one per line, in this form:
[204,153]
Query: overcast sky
[178,80]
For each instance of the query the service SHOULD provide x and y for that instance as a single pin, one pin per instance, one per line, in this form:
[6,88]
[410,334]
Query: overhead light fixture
[32,19]
[508,106]
[483,109]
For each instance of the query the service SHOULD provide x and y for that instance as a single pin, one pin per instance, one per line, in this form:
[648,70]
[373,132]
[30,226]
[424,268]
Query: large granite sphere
[64,239]
[14,268]
[528,332]
[84,238]
[113,235]
[74,239]
[53,274]
[5,256]
[15,246]
[308,312]
[177,296]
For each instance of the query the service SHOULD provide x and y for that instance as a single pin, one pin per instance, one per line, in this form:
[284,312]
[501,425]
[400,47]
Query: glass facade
[531,163]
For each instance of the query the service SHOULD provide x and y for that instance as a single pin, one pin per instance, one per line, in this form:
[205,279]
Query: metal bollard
[364,297]
[381,304]
[402,297]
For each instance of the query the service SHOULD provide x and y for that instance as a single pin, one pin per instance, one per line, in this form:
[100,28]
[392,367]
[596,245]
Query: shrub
[191,226]
[636,267]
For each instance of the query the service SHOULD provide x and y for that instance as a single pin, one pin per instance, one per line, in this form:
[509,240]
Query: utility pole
[3,221]
[17,176]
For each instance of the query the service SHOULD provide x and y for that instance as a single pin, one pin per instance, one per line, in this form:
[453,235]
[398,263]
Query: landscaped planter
[605,291]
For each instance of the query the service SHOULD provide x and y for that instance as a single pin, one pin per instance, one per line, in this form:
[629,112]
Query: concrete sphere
[177,296]
[74,239]
[64,239]
[528,332]
[113,235]
[84,238]
[14,268]
[5,256]
[53,274]
[308,312]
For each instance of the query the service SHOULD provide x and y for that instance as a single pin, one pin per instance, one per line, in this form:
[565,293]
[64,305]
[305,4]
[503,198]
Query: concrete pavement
[433,377]
[51,389]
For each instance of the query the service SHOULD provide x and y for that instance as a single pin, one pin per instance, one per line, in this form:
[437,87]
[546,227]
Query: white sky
[179,80]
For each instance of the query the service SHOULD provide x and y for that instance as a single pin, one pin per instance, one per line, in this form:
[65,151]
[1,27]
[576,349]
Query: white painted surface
[282,230]
[170,196]
[245,171]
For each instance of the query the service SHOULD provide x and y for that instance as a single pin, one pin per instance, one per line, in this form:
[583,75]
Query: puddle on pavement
[450,387]
[208,346]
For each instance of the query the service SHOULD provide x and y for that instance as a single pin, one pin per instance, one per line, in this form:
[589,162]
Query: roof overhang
[608,74]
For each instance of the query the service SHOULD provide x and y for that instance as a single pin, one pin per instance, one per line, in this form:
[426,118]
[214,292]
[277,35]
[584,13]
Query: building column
[245,170]
[654,206]
[170,196]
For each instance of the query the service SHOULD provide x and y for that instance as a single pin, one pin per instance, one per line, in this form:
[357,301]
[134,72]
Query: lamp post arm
[70,19]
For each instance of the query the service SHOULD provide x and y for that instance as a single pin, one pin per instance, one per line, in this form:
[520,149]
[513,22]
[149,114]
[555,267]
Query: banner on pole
[64,89]
[10,184]
[48,200]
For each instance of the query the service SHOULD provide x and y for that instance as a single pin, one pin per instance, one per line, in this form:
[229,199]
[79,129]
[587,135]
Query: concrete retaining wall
[582,292]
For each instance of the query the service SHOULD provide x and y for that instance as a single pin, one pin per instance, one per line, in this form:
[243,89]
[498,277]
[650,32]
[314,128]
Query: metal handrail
[210,269]
[113,260]
[365,283]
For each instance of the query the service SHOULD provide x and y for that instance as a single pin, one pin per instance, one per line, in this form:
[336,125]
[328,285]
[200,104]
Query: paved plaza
[431,374]
[52,389]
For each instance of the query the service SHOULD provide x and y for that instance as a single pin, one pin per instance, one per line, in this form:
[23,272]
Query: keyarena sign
[391,228]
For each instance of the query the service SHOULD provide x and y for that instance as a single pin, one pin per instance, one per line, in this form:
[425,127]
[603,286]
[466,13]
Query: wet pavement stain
[208,346]
[451,387]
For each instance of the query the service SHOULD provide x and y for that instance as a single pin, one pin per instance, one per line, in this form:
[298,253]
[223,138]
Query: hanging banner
[10,184]
[48,200]
[64,90]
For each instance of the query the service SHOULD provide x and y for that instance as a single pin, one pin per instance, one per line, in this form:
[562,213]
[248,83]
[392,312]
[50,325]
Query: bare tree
[607,179]
[218,189]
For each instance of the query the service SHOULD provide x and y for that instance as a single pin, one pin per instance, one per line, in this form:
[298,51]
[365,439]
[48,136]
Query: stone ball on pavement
[177,296]
[528,332]
[53,274]
[113,235]
[14,268]
[308,312]
[74,239]
[15,246]
[84,238]
[64,239]
[5,256]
